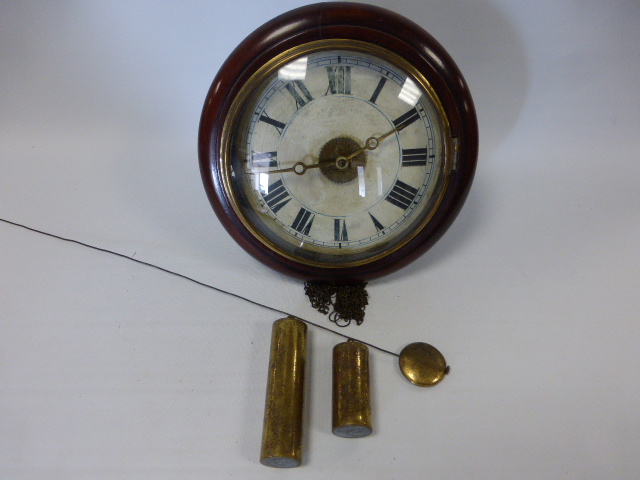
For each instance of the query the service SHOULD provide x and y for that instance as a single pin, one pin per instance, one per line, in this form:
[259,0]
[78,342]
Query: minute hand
[373,142]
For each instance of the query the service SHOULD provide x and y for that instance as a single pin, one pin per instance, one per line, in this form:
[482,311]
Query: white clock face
[338,157]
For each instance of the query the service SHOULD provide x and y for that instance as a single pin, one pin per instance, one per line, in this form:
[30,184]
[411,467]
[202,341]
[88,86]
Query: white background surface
[112,370]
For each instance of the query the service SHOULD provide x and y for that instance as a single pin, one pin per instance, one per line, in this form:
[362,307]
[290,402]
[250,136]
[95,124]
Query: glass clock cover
[338,141]
[337,156]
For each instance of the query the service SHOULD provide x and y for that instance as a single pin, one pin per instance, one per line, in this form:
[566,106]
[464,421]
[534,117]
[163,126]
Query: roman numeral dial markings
[339,80]
[401,195]
[264,159]
[415,157]
[407,119]
[292,118]
[277,197]
[303,221]
[379,87]
[376,223]
[279,126]
[301,97]
[340,230]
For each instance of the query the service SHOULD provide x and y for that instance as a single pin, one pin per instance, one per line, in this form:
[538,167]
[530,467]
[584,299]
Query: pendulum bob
[351,390]
[283,413]
[423,364]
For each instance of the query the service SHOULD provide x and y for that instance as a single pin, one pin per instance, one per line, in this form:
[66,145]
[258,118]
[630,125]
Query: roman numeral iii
[414,157]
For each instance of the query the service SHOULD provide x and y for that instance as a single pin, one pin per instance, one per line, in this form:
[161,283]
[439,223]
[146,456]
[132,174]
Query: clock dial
[338,142]
[338,154]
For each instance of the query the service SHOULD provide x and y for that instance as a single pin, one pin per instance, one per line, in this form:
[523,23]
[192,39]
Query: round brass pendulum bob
[283,413]
[351,391]
[423,364]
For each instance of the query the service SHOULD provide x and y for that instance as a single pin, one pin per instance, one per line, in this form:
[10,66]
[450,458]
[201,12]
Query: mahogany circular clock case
[338,142]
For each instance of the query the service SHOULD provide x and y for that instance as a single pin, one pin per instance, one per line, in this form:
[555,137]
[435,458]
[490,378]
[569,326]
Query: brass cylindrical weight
[282,431]
[351,391]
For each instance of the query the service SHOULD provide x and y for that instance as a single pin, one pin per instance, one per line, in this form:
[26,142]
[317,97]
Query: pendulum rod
[193,280]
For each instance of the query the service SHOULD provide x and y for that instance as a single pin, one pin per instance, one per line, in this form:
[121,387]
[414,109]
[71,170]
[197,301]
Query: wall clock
[338,142]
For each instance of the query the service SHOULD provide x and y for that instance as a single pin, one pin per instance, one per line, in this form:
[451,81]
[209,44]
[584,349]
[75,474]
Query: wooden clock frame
[369,24]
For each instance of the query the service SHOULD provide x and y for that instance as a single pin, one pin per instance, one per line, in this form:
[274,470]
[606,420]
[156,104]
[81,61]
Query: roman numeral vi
[340,230]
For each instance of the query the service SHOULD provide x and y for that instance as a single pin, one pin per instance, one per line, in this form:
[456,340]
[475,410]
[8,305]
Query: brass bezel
[273,65]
